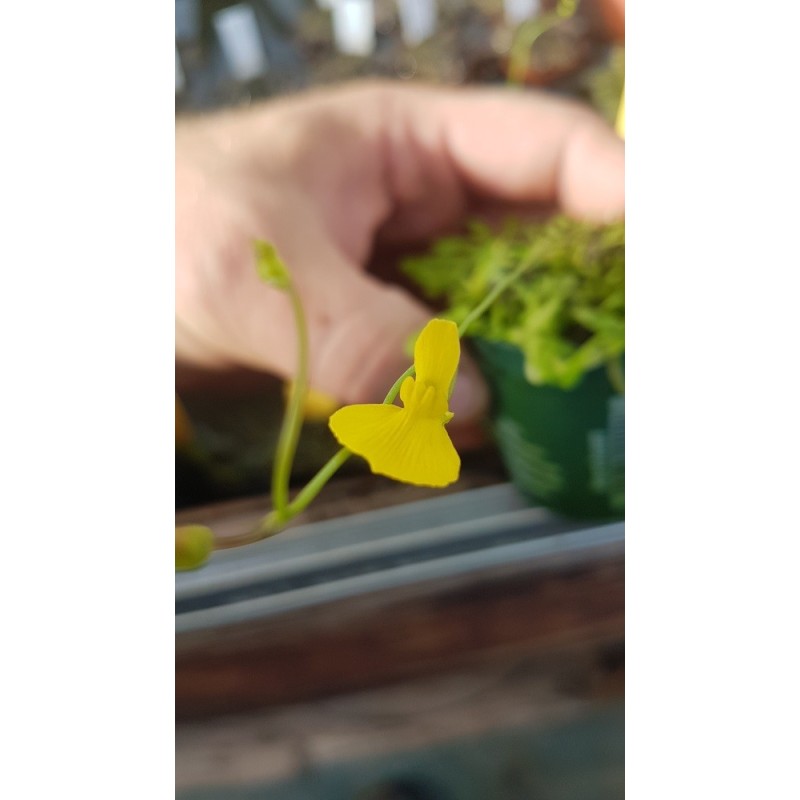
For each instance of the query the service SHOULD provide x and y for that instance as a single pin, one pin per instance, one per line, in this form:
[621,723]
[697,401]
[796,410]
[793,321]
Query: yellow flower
[410,443]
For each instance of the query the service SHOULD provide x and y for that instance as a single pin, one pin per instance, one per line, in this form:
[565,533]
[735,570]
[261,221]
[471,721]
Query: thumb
[358,355]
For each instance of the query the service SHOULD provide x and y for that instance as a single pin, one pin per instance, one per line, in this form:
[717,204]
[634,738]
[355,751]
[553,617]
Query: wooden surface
[395,634]
[495,694]
[428,674]
[369,641]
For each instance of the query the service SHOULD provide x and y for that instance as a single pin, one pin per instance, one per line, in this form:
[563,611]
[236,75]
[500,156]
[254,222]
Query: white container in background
[517,11]
[354,26]
[187,20]
[417,20]
[237,29]
[180,79]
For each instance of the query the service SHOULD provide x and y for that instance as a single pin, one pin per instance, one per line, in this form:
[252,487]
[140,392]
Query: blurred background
[233,53]
[230,54]
[397,643]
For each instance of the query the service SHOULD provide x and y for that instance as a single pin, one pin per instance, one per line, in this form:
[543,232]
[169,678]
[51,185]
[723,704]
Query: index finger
[446,146]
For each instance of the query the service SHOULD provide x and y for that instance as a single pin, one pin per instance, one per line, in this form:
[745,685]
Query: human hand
[328,177]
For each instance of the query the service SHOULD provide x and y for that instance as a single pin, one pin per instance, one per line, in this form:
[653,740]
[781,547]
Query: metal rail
[417,543]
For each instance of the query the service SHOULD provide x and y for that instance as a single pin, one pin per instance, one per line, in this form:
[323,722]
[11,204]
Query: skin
[335,177]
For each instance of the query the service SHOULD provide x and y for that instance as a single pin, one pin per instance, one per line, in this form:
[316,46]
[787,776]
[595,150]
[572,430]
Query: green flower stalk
[529,32]
[272,271]
[410,443]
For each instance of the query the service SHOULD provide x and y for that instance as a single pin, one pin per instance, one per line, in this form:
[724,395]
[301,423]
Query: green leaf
[269,266]
[566,312]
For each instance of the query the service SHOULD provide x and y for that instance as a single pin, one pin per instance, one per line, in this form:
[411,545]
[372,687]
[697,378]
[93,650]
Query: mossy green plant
[557,292]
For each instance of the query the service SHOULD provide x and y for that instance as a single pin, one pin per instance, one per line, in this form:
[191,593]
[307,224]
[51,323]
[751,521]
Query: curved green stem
[493,294]
[393,392]
[314,486]
[283,510]
[293,418]
[274,522]
[523,44]
[529,33]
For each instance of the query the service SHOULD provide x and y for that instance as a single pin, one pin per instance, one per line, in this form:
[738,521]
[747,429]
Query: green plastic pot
[564,449]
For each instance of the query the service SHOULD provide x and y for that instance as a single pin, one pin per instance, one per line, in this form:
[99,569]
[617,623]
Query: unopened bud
[193,546]
[269,266]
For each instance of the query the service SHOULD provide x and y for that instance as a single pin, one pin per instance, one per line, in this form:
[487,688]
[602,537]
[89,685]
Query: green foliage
[604,84]
[565,311]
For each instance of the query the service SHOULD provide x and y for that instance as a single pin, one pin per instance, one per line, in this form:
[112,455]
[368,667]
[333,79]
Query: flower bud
[193,546]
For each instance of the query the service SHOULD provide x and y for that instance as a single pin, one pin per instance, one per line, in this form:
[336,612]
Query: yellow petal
[397,445]
[436,355]
[427,457]
[365,428]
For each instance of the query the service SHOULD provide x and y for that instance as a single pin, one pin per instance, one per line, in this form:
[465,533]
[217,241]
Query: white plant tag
[180,79]
[187,20]
[237,28]
[417,20]
[517,11]
[354,26]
